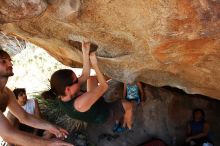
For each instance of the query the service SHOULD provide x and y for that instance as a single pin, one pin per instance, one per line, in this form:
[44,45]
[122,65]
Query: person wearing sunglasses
[86,106]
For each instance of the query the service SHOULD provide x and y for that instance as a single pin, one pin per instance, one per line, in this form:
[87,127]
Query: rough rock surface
[160,42]
[15,10]
[163,115]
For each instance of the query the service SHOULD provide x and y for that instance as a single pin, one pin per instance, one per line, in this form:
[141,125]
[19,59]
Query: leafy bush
[52,112]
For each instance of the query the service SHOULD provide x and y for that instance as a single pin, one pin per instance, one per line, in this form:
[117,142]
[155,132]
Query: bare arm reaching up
[86,63]
[85,101]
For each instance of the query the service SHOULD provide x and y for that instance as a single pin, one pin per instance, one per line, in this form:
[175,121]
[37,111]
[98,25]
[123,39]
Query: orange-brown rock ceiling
[160,42]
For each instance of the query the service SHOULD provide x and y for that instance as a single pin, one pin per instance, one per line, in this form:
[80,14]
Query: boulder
[162,42]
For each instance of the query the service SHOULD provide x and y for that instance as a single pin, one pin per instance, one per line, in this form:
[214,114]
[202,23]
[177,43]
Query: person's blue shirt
[197,127]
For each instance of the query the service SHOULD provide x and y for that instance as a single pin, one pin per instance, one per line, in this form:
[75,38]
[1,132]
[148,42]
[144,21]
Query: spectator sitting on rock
[133,94]
[198,130]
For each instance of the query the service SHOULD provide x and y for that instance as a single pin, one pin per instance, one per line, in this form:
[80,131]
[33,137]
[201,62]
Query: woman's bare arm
[85,101]
[86,63]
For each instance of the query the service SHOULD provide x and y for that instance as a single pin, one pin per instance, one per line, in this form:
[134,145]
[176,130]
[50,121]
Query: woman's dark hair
[19,91]
[198,110]
[58,83]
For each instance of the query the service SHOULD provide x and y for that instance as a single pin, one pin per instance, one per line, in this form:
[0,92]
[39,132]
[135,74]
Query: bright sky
[33,68]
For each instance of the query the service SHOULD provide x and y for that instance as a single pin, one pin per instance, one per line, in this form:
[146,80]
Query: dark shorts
[137,100]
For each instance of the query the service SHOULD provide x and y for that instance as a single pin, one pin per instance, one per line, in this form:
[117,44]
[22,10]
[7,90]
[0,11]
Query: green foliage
[52,112]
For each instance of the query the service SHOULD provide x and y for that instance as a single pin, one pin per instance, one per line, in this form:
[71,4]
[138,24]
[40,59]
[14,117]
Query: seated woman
[198,130]
[85,106]
[133,94]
